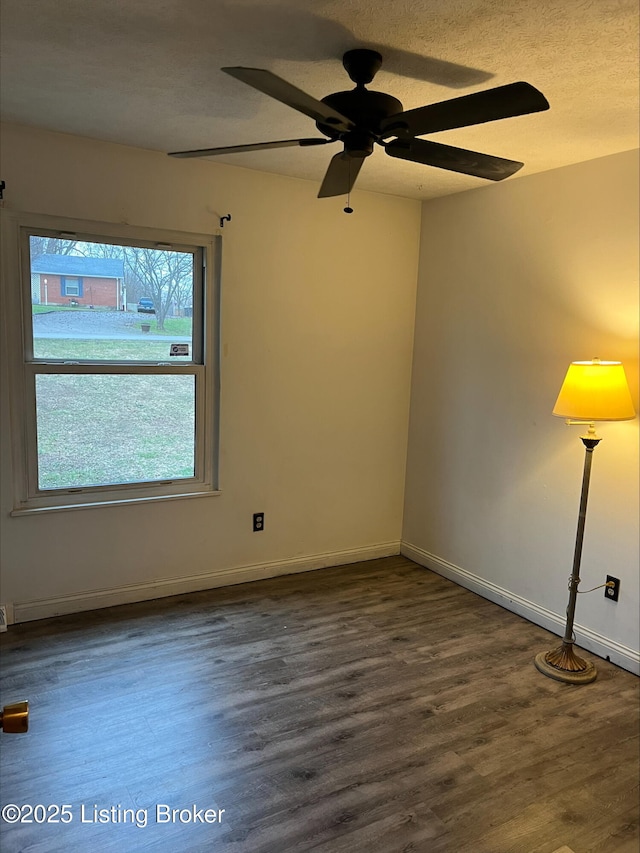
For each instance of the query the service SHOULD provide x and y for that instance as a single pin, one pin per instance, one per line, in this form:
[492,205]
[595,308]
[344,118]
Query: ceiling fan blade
[255,146]
[453,159]
[282,91]
[515,99]
[341,175]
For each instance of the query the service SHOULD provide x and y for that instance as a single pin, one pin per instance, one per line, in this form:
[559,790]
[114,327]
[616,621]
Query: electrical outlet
[612,592]
[258,521]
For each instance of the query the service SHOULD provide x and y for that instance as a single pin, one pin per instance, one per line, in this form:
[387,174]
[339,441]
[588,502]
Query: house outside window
[110,405]
[58,276]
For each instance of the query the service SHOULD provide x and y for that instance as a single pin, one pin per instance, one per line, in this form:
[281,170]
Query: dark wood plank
[361,709]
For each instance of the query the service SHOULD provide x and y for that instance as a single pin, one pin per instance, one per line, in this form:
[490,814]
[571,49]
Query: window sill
[38,510]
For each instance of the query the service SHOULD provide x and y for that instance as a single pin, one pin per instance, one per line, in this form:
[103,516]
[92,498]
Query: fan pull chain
[348,208]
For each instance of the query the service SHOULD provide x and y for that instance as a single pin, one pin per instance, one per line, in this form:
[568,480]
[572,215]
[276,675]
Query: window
[111,404]
[71,286]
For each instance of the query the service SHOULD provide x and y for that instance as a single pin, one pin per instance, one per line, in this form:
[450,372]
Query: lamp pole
[563,663]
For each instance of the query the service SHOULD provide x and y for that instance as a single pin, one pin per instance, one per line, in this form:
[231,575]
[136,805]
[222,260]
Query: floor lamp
[592,391]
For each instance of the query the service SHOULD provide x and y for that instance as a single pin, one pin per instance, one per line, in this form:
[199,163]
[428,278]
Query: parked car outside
[146,306]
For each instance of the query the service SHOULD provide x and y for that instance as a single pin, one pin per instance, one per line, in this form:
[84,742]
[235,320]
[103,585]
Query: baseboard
[27,611]
[622,656]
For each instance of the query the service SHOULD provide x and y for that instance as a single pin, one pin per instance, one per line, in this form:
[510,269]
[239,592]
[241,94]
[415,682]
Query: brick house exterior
[74,280]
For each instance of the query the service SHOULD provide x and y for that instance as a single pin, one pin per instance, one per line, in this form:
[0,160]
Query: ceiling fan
[360,118]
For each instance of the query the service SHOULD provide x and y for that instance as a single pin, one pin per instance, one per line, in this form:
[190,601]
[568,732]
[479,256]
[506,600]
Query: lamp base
[563,664]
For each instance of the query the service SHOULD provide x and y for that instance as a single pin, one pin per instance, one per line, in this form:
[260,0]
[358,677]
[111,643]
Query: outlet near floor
[612,589]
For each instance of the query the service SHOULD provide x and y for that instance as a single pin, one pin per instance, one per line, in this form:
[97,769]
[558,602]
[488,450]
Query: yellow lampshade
[595,391]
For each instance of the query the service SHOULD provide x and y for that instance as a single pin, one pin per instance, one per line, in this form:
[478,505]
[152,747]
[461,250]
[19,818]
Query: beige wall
[517,280]
[318,312]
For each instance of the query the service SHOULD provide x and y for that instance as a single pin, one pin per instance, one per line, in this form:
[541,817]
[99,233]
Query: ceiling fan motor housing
[366,110]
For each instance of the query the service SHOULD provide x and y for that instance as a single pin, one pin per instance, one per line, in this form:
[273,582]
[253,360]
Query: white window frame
[23,368]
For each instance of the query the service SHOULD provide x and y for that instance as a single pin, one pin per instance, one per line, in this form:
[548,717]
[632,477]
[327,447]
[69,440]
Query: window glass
[106,302]
[112,429]
[70,286]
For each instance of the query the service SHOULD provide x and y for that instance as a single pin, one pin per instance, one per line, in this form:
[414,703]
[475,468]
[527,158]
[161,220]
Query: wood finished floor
[372,708]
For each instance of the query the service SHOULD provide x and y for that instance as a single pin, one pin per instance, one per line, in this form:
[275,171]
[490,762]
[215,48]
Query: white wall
[517,280]
[318,312]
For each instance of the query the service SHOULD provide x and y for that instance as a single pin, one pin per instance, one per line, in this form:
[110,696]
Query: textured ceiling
[146,73]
